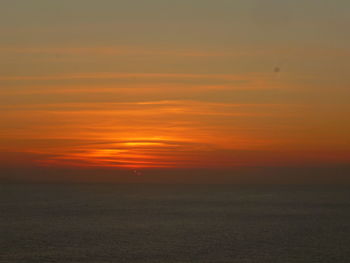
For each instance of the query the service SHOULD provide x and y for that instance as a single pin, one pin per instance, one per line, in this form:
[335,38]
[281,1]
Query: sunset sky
[160,88]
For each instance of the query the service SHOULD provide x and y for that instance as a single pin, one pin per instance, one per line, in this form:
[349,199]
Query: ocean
[174,223]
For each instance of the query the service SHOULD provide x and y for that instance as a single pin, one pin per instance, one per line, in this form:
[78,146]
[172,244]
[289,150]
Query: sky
[175,91]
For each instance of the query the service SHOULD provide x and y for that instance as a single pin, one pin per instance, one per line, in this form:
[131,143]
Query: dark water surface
[163,223]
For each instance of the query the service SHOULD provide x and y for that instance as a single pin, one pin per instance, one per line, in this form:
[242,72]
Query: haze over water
[174,223]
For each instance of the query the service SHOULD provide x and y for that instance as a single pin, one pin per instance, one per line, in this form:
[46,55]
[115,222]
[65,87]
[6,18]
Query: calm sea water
[163,223]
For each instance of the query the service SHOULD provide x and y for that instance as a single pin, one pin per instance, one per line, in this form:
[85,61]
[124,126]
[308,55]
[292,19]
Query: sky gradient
[172,90]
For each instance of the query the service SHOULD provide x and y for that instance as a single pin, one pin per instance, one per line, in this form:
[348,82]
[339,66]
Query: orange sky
[192,88]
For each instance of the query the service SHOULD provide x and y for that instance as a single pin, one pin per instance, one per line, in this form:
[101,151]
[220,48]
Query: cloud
[119,51]
[133,76]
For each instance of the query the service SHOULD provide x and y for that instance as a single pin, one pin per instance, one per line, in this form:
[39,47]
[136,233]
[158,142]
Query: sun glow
[135,152]
[140,144]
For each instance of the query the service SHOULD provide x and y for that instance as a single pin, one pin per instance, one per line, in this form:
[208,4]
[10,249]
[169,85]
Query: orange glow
[164,134]
[143,144]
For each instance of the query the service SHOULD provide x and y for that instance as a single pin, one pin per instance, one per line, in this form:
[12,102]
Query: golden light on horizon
[197,134]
